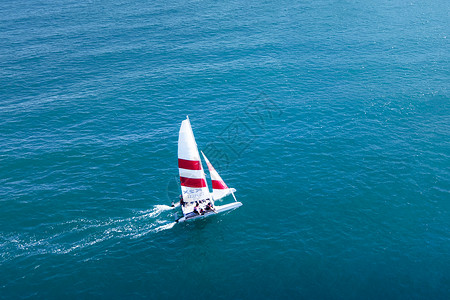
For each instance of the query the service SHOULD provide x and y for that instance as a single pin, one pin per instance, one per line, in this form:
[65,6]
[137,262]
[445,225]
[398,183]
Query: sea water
[330,118]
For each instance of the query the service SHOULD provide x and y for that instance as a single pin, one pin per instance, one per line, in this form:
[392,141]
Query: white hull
[218,209]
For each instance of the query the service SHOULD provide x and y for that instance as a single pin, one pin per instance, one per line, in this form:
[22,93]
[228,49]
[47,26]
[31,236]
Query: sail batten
[191,173]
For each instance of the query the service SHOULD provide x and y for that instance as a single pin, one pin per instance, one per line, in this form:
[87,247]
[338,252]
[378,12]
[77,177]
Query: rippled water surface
[330,118]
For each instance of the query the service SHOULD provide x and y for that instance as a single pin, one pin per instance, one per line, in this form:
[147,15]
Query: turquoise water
[330,118]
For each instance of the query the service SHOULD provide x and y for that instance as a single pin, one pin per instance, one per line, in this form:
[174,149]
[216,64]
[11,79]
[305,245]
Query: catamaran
[196,200]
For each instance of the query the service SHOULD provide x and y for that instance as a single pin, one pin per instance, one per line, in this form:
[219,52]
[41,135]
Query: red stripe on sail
[189,164]
[193,182]
[218,185]
[210,167]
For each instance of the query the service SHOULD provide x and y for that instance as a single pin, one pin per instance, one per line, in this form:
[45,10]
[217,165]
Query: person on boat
[198,210]
[209,206]
[181,201]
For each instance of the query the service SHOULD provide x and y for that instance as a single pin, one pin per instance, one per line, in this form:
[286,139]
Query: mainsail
[192,177]
[220,189]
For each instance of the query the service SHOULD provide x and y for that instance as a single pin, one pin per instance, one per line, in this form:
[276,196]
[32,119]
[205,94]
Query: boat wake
[75,235]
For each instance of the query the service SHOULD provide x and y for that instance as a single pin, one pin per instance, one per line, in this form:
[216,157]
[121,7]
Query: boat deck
[218,209]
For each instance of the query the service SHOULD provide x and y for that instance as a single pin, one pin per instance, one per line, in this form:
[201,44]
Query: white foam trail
[74,235]
[164,227]
[152,229]
[164,207]
[156,211]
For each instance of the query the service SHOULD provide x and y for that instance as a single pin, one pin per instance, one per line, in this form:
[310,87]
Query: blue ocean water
[330,118]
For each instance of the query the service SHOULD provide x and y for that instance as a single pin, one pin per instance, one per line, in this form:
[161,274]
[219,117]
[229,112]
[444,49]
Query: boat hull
[218,209]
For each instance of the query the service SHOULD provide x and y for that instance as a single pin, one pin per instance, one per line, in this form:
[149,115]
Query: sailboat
[196,199]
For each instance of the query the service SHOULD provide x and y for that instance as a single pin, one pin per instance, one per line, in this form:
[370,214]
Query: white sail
[220,189]
[192,177]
